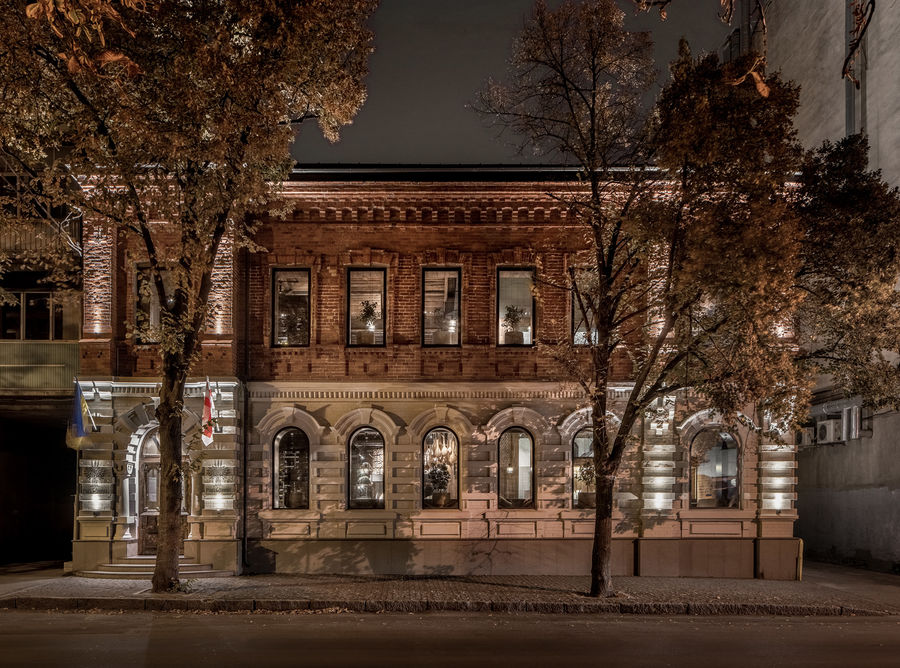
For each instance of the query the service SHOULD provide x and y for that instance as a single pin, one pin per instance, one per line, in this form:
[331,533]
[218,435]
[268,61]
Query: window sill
[715,514]
[287,514]
[519,513]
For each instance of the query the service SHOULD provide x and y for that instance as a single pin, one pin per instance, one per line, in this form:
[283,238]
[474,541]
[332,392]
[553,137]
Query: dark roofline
[376,172]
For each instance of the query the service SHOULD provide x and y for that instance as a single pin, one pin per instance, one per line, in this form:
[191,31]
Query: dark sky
[432,56]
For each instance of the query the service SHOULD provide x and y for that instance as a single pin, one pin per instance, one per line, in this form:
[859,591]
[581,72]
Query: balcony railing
[39,236]
[38,365]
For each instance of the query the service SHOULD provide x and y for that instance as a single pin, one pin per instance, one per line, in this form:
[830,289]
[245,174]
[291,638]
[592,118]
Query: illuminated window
[290,308]
[515,307]
[291,469]
[714,470]
[148,314]
[516,469]
[366,479]
[366,307]
[583,474]
[584,328]
[440,469]
[440,307]
[40,316]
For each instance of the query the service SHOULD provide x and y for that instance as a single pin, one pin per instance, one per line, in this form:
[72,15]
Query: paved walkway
[825,590]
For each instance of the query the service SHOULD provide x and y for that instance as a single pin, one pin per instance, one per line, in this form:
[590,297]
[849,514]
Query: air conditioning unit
[828,431]
[805,437]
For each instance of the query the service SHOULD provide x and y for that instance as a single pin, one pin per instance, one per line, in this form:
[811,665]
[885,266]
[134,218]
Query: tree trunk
[601,579]
[165,576]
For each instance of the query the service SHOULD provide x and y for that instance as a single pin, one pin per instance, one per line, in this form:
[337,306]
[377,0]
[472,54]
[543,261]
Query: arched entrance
[147,487]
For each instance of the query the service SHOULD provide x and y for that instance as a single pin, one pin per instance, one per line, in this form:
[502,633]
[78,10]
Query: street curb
[177,604]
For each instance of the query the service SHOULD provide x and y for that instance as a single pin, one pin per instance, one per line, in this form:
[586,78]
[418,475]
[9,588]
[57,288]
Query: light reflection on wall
[219,316]
[97,277]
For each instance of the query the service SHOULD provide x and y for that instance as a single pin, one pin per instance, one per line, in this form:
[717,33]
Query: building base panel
[774,559]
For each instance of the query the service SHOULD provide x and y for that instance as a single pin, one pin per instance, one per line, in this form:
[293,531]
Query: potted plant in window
[293,326]
[442,336]
[587,475]
[511,322]
[439,477]
[368,314]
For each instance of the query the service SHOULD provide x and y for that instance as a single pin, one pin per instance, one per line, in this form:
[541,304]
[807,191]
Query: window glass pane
[515,307]
[292,457]
[440,459]
[147,312]
[37,316]
[583,488]
[440,290]
[291,316]
[66,318]
[11,318]
[714,470]
[584,331]
[366,307]
[366,469]
[515,464]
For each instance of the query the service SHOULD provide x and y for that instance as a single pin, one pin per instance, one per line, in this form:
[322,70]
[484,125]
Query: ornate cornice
[422,392]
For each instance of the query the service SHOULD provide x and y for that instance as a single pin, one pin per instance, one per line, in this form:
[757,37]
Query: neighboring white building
[849,485]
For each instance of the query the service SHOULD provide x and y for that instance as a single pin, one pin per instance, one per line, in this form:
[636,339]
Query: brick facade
[403,389]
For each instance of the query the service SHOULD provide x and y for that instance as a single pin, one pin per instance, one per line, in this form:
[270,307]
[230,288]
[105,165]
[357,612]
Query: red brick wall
[401,227]
[403,231]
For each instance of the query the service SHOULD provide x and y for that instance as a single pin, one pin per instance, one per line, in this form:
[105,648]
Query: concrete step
[183,573]
[141,568]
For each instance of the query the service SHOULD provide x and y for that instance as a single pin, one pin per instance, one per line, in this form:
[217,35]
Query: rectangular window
[41,316]
[440,307]
[147,311]
[584,329]
[290,308]
[11,319]
[37,316]
[366,307]
[582,332]
[515,307]
[66,318]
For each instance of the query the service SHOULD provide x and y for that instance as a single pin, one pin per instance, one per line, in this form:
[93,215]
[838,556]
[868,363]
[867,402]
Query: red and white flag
[208,407]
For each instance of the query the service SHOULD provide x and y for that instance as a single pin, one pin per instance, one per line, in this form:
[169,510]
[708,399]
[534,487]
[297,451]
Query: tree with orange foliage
[133,112]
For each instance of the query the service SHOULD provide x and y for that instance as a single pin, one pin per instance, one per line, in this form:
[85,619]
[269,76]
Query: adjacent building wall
[849,493]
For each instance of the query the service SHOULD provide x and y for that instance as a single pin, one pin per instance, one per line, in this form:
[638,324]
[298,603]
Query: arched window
[366,475]
[291,469]
[440,469]
[714,470]
[515,461]
[584,493]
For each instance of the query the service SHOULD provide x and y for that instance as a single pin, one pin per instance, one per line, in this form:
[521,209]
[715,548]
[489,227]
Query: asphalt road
[441,639]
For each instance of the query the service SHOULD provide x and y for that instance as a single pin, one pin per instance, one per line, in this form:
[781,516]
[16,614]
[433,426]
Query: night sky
[432,56]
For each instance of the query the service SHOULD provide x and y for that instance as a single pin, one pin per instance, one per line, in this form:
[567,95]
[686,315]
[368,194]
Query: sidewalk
[825,590]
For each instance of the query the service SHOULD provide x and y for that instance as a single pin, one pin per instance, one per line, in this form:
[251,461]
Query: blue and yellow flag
[77,436]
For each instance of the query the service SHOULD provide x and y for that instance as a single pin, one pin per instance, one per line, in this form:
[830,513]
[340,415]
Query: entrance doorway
[148,497]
